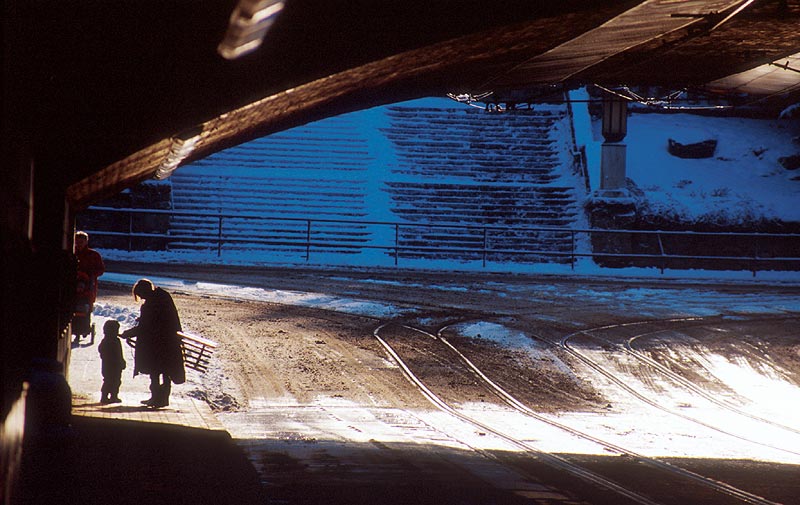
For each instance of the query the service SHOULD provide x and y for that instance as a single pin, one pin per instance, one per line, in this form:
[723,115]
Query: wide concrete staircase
[452,180]
[266,190]
[488,181]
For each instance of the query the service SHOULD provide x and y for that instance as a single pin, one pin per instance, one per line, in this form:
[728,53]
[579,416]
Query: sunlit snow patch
[296,298]
[767,389]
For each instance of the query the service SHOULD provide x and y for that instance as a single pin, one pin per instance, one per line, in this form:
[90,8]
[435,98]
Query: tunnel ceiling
[99,89]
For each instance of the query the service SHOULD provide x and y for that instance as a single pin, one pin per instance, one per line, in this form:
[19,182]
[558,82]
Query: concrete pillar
[612,166]
[38,266]
[52,281]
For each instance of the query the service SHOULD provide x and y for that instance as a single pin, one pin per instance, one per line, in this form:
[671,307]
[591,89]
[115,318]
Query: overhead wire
[666,102]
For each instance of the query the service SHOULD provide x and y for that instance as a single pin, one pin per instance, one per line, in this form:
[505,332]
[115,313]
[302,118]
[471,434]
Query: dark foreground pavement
[112,461]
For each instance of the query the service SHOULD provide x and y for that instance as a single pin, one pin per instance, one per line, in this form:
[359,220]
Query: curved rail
[722,487]
[628,348]
[564,344]
[550,459]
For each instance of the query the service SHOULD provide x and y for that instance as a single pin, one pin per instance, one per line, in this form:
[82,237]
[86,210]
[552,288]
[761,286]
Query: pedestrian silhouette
[113,363]
[158,346]
[90,267]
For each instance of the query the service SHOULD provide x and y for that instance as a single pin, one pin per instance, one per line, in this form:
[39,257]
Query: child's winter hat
[111,327]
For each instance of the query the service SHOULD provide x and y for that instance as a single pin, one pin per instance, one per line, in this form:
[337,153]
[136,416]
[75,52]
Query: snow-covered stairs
[466,168]
[267,189]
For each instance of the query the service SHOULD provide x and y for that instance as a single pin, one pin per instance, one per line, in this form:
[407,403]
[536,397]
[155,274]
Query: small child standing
[113,363]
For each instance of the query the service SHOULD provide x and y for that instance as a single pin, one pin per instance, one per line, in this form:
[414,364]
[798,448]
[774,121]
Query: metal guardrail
[610,247]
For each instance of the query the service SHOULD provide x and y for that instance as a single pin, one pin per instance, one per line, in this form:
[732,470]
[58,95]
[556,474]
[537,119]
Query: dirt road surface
[401,387]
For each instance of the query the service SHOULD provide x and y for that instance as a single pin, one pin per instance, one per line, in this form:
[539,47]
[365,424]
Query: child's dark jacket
[111,353]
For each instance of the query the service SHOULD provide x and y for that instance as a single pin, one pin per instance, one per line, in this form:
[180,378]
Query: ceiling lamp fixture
[249,23]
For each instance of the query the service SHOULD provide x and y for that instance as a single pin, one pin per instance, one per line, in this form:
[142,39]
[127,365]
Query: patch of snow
[297,298]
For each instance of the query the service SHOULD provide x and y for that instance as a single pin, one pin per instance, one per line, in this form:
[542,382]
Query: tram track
[628,348]
[744,496]
[564,343]
[554,461]
[558,462]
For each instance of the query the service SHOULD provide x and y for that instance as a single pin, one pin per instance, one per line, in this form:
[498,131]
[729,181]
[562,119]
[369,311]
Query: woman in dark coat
[158,346]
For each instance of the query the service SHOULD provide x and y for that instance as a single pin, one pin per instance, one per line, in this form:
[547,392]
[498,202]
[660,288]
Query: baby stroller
[82,325]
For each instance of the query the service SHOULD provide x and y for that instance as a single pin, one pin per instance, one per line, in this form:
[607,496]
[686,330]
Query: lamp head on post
[615,118]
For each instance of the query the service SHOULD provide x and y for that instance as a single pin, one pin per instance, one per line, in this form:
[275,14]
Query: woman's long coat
[158,346]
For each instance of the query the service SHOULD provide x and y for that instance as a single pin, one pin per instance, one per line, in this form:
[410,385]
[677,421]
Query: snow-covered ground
[741,182]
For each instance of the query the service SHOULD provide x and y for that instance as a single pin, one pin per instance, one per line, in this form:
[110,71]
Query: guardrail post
[130,231]
[661,249]
[396,242]
[572,249]
[219,237]
[308,241]
[484,247]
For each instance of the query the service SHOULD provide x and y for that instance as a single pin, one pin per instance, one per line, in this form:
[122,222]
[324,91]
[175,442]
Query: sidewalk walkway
[85,380]
[129,454]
